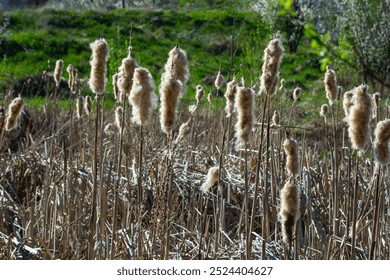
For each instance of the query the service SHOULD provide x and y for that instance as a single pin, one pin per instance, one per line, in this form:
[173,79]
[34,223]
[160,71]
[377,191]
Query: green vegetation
[35,39]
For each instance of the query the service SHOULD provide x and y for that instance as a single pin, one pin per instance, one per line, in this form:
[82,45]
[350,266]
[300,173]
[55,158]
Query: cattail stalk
[14,112]
[177,67]
[331,85]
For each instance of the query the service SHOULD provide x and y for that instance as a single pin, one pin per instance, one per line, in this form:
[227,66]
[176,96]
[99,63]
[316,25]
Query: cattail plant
[331,85]
[115,86]
[347,103]
[381,144]
[375,98]
[80,107]
[212,177]
[210,98]
[231,89]
[276,118]
[359,118]
[291,149]
[97,84]
[184,131]
[289,212]
[324,111]
[219,80]
[119,117]
[88,105]
[244,103]
[177,67]
[199,94]
[281,87]
[272,59]
[58,72]
[70,69]
[14,112]
[296,94]
[125,76]
[98,79]
[142,96]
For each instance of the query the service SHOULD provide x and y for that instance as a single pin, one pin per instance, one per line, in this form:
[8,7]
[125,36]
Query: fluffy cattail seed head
[244,104]
[272,59]
[115,86]
[210,98]
[88,105]
[119,117]
[184,131]
[219,80]
[331,85]
[359,118]
[199,94]
[169,96]
[142,96]
[276,118]
[231,89]
[347,103]
[291,149]
[297,94]
[14,112]
[100,52]
[289,211]
[381,144]
[324,110]
[125,77]
[212,177]
[281,88]
[80,106]
[193,109]
[375,98]
[70,69]
[177,67]
[58,71]
[339,92]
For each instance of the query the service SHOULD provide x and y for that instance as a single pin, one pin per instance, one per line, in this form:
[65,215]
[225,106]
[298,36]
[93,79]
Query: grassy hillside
[35,39]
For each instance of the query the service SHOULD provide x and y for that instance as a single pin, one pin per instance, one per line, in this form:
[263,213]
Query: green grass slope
[35,39]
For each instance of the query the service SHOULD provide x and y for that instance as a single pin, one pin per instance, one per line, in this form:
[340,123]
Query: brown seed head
[100,52]
[80,106]
[272,59]
[289,211]
[297,94]
[115,86]
[142,96]
[58,71]
[324,110]
[177,67]
[244,104]
[14,112]
[88,105]
[347,103]
[359,118]
[330,85]
[184,131]
[219,80]
[199,94]
[169,97]
[291,149]
[212,177]
[125,76]
[231,89]
[276,118]
[381,144]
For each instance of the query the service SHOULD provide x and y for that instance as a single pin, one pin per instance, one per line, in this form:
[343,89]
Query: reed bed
[138,182]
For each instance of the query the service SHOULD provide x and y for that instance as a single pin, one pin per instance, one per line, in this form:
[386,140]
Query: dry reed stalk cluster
[331,85]
[244,104]
[100,53]
[291,149]
[381,144]
[230,94]
[14,112]
[58,71]
[289,211]
[359,117]
[212,177]
[142,96]
[272,58]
